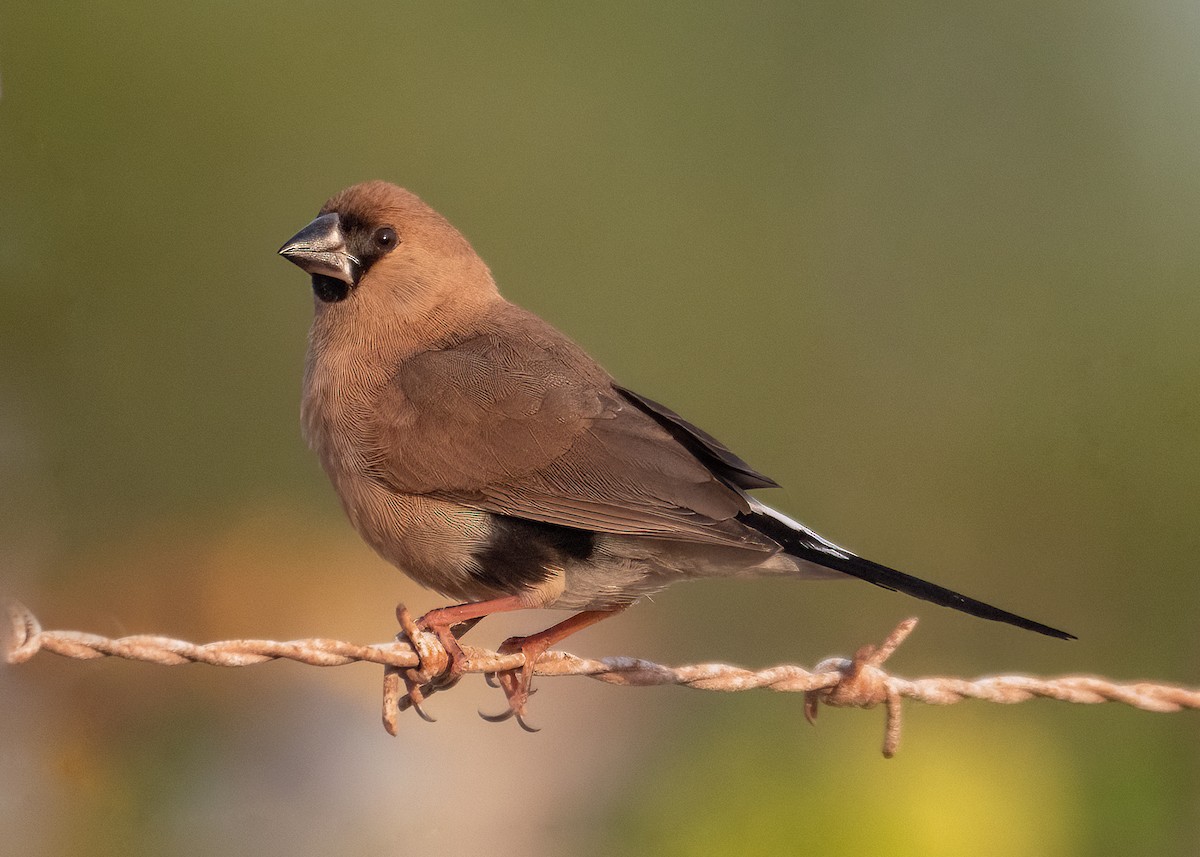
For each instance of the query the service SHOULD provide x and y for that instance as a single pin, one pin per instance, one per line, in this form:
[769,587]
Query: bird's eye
[386,238]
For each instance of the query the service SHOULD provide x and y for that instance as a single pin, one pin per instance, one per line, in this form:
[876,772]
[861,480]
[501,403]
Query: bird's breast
[435,542]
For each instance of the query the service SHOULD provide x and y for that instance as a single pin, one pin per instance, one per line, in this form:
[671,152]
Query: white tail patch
[818,541]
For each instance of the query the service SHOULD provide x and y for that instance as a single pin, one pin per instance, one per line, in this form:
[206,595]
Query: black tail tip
[1050,632]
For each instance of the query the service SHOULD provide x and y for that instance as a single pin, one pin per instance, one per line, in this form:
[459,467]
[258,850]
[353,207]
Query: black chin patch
[329,289]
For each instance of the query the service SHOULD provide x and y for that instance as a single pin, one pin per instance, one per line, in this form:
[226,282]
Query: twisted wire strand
[858,682]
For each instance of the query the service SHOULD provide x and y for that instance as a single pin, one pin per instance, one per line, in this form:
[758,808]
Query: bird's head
[382,244]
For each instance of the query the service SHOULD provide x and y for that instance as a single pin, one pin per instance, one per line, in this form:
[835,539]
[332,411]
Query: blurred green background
[932,266]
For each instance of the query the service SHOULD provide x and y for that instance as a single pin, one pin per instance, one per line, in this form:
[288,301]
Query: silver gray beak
[320,248]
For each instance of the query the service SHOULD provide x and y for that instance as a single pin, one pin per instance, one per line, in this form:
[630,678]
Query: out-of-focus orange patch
[264,571]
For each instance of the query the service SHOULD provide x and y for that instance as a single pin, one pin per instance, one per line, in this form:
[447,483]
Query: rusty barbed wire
[859,682]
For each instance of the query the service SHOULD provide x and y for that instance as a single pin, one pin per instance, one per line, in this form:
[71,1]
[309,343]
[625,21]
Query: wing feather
[517,420]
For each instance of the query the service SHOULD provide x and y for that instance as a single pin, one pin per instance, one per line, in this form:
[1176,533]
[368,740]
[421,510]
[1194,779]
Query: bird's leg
[445,621]
[517,684]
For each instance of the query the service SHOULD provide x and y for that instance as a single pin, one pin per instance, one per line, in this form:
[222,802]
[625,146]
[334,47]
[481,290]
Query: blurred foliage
[770,798]
[932,267]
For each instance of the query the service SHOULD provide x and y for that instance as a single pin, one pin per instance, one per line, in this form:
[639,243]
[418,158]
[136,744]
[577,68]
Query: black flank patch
[519,551]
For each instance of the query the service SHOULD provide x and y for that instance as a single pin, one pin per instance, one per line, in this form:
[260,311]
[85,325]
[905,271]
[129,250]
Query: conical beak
[320,248]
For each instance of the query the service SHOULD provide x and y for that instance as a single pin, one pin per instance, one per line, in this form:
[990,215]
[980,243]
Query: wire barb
[864,684]
[859,682]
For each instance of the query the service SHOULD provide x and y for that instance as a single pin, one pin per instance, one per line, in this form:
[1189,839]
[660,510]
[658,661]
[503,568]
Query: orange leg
[444,620]
[517,684]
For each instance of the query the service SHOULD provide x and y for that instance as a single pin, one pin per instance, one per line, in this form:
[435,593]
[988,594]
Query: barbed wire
[417,660]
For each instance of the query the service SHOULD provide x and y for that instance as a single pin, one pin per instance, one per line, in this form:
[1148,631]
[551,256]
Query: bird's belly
[624,568]
[430,540]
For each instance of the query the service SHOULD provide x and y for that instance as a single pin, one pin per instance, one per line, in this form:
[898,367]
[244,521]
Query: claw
[517,690]
[445,681]
[524,725]
[462,627]
[515,683]
[508,715]
[414,697]
[422,713]
[494,680]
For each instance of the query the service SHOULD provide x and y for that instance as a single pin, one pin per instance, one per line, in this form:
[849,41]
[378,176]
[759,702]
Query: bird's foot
[517,684]
[437,668]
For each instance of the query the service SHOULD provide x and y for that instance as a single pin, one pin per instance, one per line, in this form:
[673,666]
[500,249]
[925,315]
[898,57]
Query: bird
[487,456]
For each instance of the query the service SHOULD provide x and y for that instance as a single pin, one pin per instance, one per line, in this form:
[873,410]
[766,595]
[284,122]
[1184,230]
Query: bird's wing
[719,458]
[517,420]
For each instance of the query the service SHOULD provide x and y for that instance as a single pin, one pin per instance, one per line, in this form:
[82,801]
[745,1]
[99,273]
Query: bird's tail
[801,542]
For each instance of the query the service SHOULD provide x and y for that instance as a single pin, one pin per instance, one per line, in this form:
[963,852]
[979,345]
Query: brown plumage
[488,457]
